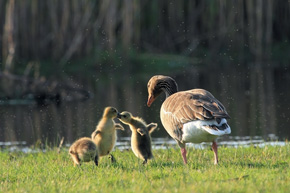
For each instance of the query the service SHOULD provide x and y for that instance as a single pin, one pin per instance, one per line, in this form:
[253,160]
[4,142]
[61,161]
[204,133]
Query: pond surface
[124,144]
[258,107]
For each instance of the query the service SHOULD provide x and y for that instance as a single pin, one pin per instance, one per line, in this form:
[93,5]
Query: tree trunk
[8,46]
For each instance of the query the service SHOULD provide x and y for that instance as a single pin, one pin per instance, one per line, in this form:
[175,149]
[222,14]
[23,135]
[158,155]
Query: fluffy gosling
[140,138]
[84,150]
[105,135]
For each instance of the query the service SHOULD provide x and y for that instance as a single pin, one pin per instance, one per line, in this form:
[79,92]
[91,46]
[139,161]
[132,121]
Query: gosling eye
[125,116]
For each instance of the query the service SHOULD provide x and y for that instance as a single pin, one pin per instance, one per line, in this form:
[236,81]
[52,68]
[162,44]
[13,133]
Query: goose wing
[191,105]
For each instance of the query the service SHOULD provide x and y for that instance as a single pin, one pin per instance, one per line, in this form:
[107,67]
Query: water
[257,109]
[124,144]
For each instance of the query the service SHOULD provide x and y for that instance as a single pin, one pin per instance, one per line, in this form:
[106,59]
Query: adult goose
[191,116]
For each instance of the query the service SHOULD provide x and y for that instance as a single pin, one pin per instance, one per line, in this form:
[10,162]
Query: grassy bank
[240,170]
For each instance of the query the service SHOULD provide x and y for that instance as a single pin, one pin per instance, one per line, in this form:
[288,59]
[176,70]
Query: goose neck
[169,88]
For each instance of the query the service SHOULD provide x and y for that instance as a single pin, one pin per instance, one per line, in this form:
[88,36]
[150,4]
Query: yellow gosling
[140,138]
[105,135]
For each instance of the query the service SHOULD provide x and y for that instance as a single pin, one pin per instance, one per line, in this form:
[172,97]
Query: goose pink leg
[183,153]
[214,148]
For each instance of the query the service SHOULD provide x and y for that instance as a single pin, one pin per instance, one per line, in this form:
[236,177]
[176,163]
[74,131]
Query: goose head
[158,84]
[110,112]
[125,117]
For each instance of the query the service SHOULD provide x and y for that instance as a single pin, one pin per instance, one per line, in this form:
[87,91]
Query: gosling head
[110,112]
[125,117]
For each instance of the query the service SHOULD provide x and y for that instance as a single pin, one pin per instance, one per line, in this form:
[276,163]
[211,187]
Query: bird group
[103,139]
[191,116]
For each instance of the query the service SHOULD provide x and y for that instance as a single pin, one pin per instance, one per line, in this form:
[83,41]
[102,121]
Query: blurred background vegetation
[70,49]
[59,33]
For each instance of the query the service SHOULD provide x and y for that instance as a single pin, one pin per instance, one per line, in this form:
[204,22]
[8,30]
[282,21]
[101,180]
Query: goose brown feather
[196,104]
[186,106]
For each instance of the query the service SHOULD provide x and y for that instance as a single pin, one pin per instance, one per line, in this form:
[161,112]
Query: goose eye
[125,116]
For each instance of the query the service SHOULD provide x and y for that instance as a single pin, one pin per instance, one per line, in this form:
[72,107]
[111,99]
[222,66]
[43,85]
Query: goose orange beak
[150,100]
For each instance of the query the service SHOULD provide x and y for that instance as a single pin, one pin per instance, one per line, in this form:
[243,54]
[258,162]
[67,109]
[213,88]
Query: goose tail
[217,127]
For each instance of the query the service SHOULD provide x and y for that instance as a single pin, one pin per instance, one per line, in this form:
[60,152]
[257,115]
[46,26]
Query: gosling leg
[113,160]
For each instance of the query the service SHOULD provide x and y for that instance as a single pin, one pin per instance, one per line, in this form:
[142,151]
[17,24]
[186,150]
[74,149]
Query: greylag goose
[84,150]
[140,138]
[191,116]
[105,135]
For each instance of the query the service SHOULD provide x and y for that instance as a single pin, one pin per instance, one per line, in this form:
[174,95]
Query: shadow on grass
[165,164]
[260,165]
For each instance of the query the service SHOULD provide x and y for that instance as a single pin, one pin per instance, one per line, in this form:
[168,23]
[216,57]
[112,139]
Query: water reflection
[232,141]
[124,144]
[255,109]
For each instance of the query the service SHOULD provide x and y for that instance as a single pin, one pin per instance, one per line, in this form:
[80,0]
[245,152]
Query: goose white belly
[196,132]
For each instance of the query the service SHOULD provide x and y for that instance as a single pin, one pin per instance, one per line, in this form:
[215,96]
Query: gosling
[84,150]
[105,135]
[140,138]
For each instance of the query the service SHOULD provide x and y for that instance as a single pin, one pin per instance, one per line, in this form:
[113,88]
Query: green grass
[240,170]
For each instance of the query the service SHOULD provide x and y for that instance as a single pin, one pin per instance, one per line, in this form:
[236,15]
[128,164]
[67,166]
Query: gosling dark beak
[119,116]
